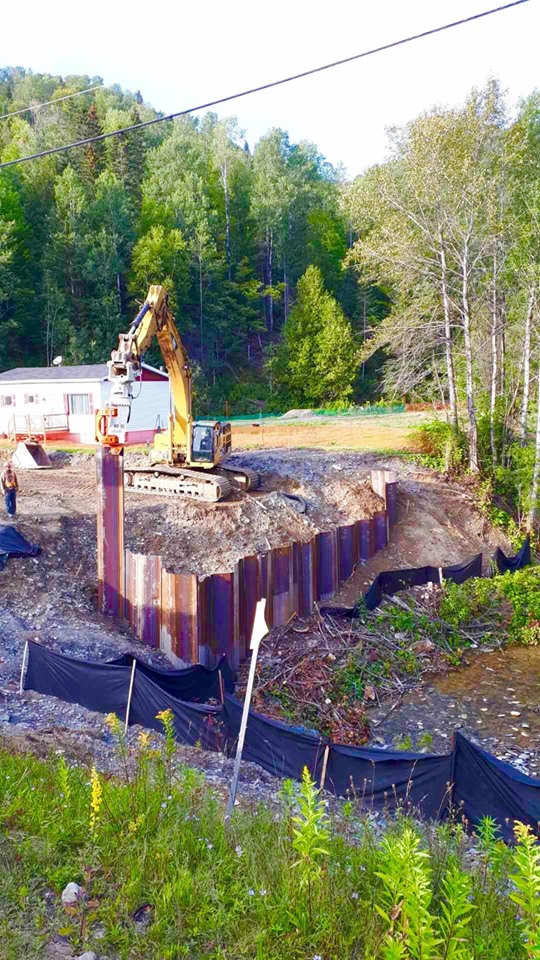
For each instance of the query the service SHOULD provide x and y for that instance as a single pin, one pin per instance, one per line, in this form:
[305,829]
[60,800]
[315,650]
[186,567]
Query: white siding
[151,402]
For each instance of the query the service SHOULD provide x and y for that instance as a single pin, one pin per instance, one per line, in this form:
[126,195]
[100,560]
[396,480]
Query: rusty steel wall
[198,619]
[110,531]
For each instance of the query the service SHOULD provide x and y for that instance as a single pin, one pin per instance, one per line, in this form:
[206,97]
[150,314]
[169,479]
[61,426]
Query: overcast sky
[183,53]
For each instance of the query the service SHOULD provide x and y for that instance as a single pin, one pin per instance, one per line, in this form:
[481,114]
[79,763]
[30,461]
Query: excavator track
[166,481]
[241,478]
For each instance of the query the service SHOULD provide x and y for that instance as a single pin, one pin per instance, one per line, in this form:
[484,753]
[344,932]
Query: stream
[495,699]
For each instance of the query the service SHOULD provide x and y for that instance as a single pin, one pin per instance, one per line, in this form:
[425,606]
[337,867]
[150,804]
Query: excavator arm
[187,459]
[125,368]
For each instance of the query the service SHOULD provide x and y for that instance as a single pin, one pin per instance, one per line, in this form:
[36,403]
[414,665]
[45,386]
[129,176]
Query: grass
[164,878]
[390,433]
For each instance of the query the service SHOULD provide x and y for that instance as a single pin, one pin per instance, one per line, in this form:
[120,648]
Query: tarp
[391,778]
[280,749]
[485,786]
[391,581]
[193,683]
[521,559]
[97,686]
[476,783]
[13,544]
[459,572]
[194,723]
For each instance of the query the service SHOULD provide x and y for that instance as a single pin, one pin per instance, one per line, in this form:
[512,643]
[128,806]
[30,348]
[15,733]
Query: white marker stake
[260,629]
[23,668]
[131,682]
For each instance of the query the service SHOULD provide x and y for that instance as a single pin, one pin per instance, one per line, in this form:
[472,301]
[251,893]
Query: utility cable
[264,86]
[47,103]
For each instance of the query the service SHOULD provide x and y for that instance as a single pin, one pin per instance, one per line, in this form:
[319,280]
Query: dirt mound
[194,537]
[297,415]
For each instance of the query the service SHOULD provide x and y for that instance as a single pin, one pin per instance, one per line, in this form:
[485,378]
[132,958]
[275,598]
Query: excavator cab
[210,441]
[203,445]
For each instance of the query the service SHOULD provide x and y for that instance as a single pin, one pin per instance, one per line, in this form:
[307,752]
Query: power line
[264,86]
[47,103]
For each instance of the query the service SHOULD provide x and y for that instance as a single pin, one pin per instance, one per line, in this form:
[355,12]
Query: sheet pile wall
[201,619]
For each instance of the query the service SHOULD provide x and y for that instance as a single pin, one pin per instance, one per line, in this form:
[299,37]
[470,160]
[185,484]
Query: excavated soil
[53,597]
[202,538]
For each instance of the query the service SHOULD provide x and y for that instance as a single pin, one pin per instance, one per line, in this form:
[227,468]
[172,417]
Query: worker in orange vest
[10,486]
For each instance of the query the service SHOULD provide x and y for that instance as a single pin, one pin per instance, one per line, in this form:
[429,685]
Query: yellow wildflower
[144,740]
[96,799]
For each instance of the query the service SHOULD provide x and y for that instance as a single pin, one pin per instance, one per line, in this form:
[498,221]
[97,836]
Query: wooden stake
[441,578]
[131,682]
[221,688]
[260,629]
[324,765]
[23,668]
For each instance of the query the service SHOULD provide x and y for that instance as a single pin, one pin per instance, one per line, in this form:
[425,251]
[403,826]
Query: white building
[63,402]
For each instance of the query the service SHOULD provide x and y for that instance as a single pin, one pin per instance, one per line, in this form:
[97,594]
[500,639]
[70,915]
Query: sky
[179,54]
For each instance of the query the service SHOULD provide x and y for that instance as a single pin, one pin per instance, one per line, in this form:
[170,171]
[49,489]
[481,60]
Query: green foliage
[526,880]
[439,445]
[229,232]
[316,363]
[310,836]
[149,850]
[509,605]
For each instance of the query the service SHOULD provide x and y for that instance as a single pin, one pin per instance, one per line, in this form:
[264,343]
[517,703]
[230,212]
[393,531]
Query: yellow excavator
[188,456]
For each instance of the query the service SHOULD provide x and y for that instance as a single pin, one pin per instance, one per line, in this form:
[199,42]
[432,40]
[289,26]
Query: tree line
[449,226]
[419,280]
[227,229]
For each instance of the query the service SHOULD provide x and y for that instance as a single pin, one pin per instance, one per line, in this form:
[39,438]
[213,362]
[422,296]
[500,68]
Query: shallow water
[496,698]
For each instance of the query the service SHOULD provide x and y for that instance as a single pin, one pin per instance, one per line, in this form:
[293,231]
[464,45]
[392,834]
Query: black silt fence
[468,780]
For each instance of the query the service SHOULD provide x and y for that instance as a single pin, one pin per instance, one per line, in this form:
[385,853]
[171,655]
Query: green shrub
[439,446]
[288,882]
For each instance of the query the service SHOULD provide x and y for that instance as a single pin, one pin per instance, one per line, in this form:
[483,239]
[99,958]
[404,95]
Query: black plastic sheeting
[388,779]
[521,559]
[194,723]
[487,786]
[97,686]
[13,544]
[392,581]
[192,683]
[280,749]
[468,780]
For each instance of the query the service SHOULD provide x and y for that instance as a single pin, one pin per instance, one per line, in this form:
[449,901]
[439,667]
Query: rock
[423,646]
[71,893]
[89,955]
[58,949]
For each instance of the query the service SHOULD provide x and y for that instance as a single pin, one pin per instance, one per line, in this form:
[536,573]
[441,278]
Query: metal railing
[35,425]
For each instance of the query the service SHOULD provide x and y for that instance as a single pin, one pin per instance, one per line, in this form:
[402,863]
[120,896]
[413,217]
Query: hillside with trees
[228,229]
[292,287]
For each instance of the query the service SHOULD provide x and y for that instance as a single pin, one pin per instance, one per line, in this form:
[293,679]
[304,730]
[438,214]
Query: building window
[79,403]
[6,401]
[31,398]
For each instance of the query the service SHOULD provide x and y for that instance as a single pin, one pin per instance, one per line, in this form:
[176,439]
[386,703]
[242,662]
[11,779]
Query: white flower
[262,892]
[209,846]
[354,896]
[317,957]
[163,805]
[251,893]
[238,850]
